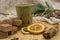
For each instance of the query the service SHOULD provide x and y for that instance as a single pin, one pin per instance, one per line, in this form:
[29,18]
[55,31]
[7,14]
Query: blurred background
[9,5]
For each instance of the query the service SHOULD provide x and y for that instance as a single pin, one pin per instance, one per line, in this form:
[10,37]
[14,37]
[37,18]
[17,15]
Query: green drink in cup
[24,12]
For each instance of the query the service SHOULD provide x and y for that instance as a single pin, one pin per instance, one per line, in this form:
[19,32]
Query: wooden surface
[32,37]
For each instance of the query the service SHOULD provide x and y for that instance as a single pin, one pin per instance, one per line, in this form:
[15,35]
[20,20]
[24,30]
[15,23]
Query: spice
[50,32]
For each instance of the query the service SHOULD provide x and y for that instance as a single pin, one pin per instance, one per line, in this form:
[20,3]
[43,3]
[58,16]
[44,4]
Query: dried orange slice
[36,28]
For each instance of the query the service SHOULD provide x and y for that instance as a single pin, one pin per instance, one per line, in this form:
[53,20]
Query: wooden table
[32,37]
